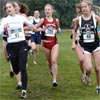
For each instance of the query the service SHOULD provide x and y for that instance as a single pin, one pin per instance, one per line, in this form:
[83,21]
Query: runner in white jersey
[20,10]
[16,44]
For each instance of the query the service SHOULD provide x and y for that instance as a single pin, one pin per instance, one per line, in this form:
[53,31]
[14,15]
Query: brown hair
[78,6]
[23,8]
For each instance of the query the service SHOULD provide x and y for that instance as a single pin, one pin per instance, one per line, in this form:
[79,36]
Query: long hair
[23,8]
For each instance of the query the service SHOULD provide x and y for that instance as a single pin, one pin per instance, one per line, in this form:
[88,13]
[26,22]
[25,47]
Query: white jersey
[15,29]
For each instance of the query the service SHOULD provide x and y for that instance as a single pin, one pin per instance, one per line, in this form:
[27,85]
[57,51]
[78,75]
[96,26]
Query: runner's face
[10,9]
[17,8]
[85,8]
[36,14]
[48,11]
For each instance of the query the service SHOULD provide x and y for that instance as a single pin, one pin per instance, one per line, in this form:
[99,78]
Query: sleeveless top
[50,32]
[35,21]
[88,31]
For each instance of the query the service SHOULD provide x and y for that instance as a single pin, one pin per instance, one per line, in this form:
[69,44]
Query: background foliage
[65,9]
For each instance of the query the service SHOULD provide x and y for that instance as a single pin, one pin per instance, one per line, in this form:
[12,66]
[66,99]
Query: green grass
[40,80]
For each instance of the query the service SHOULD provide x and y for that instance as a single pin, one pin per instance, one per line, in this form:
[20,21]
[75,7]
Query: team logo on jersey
[88,33]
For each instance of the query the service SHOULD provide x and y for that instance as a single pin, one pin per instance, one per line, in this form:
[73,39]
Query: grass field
[40,80]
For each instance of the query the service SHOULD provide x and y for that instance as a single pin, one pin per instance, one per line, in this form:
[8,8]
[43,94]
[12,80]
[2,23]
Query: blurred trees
[65,9]
[2,2]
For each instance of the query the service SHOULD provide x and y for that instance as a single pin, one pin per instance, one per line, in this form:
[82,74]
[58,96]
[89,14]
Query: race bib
[15,32]
[50,31]
[88,37]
